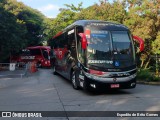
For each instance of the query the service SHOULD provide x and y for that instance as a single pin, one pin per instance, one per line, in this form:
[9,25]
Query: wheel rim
[74,79]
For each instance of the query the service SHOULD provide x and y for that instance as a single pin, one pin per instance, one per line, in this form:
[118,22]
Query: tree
[74,8]
[31,18]
[143,20]
[63,19]
[156,44]
[20,26]
[104,11]
[11,34]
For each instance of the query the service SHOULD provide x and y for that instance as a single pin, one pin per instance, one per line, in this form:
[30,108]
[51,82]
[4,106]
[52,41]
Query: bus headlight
[133,84]
[93,85]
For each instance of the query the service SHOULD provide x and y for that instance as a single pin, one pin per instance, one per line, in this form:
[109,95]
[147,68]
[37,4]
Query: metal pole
[157,74]
[158,66]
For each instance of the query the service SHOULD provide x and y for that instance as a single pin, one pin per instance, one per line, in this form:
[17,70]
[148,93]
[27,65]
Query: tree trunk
[142,62]
[147,63]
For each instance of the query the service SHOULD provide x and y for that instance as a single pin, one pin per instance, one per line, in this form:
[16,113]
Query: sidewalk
[148,82]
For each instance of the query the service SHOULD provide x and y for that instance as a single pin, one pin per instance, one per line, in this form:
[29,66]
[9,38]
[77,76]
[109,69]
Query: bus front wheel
[74,80]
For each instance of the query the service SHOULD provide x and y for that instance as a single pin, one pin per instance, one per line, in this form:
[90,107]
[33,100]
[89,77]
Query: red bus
[39,54]
[96,54]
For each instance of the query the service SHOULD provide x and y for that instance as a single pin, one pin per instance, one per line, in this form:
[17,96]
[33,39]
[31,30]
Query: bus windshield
[122,45]
[105,47]
[35,51]
[99,46]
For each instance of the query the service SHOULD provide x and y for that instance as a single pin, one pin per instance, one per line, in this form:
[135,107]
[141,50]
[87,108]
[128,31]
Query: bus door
[71,54]
[45,54]
[45,57]
[60,50]
[57,52]
[65,52]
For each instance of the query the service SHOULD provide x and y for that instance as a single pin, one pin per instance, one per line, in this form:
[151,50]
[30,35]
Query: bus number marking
[100,61]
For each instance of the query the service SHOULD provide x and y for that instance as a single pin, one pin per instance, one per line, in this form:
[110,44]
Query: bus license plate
[114,85]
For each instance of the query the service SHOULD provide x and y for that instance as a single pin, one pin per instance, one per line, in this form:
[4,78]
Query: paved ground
[44,91]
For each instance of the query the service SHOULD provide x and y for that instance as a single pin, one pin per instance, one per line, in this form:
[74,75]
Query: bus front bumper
[96,82]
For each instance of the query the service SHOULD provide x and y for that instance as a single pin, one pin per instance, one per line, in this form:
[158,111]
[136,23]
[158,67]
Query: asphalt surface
[43,91]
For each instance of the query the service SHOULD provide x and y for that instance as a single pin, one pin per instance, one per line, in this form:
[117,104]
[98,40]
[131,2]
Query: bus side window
[71,42]
[55,43]
[64,41]
[80,51]
[45,54]
[61,41]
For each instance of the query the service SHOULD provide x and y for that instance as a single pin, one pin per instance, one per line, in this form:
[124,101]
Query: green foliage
[156,79]
[156,44]
[146,75]
[104,11]
[63,19]
[74,8]
[20,26]
[12,34]
[144,21]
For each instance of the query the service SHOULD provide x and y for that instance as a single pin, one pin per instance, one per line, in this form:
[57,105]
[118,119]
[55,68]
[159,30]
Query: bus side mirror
[83,40]
[140,41]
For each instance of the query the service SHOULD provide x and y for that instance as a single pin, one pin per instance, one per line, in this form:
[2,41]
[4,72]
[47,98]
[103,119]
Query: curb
[148,83]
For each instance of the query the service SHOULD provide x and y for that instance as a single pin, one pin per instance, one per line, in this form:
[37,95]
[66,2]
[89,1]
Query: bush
[146,75]
[156,79]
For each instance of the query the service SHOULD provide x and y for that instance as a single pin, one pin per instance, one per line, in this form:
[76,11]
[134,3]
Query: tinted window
[99,45]
[45,54]
[25,52]
[59,41]
[35,51]
[121,43]
[100,40]
[81,52]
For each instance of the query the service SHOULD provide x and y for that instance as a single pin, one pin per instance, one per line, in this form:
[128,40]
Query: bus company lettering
[106,24]
[27,57]
[100,61]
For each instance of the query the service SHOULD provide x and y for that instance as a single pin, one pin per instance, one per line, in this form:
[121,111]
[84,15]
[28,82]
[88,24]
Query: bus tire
[54,71]
[74,80]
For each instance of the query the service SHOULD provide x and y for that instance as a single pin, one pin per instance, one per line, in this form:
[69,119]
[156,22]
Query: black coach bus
[96,54]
